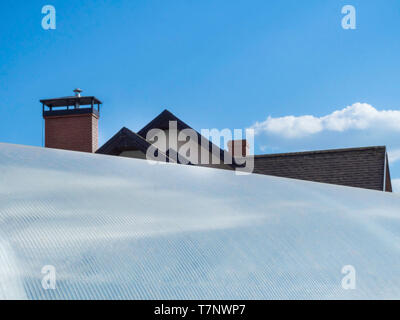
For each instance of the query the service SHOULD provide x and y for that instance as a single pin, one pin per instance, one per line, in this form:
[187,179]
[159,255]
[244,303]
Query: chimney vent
[78,92]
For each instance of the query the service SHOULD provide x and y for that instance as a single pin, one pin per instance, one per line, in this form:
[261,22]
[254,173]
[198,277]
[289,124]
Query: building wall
[163,145]
[388,181]
[210,160]
[133,154]
[95,133]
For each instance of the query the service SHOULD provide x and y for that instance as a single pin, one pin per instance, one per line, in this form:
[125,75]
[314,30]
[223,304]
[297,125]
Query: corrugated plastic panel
[118,228]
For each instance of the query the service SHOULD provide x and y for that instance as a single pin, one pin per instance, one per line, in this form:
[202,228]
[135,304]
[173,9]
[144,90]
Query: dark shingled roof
[162,122]
[127,140]
[355,167]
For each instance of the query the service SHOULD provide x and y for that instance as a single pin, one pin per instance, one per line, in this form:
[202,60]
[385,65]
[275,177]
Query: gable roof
[127,140]
[162,122]
[124,140]
[356,167]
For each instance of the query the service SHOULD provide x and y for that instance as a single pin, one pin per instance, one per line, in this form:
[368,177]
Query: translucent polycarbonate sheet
[119,228]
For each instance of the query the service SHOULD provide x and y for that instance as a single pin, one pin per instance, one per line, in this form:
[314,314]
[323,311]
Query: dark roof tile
[355,167]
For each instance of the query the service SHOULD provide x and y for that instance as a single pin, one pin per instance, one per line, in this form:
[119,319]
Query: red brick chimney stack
[238,148]
[70,124]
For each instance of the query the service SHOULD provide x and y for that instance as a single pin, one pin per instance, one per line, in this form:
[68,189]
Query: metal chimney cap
[78,92]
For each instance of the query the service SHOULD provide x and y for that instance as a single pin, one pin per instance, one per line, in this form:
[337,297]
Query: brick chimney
[238,148]
[69,124]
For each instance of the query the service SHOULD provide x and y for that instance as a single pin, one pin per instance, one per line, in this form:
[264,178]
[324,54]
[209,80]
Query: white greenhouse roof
[119,228]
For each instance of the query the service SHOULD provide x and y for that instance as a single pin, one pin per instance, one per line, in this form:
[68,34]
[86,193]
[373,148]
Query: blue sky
[215,64]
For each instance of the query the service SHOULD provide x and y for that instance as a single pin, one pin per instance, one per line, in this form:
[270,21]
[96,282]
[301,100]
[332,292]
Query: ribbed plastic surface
[117,228]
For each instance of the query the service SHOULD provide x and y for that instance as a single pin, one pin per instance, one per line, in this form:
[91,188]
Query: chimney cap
[78,92]
[71,100]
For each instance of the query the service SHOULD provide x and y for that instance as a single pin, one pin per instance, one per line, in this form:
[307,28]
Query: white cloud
[358,116]
[394,155]
[396,185]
